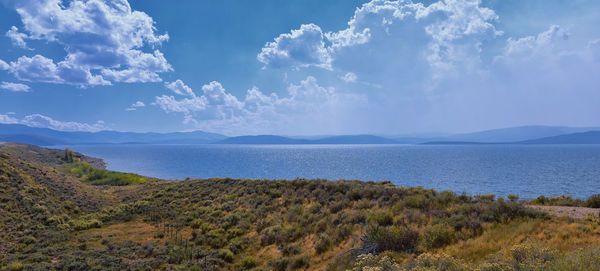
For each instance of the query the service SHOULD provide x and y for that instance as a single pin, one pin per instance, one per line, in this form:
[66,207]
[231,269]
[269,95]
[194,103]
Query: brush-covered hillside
[60,210]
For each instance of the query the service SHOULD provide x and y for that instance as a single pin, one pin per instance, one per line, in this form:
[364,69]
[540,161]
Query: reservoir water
[526,170]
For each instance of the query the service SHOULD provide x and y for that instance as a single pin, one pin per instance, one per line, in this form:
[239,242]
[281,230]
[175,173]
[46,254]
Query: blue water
[476,169]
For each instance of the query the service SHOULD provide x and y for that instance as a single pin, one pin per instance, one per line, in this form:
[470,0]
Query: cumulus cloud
[15,87]
[7,119]
[300,48]
[41,121]
[135,106]
[452,30]
[17,38]
[532,46]
[180,88]
[448,64]
[219,111]
[186,105]
[104,42]
[4,65]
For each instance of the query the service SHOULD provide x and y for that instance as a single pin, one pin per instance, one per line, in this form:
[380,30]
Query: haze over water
[528,171]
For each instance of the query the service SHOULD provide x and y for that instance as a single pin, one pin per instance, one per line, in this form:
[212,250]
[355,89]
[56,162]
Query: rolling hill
[53,218]
[591,137]
[514,134]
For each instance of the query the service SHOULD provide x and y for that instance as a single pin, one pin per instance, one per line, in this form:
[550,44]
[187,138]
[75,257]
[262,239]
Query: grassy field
[68,215]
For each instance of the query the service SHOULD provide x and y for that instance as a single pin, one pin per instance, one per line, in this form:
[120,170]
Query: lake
[526,170]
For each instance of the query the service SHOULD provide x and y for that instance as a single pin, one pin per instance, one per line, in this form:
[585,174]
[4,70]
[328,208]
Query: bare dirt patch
[570,211]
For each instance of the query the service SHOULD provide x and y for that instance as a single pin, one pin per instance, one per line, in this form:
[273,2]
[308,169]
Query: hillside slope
[51,220]
[36,199]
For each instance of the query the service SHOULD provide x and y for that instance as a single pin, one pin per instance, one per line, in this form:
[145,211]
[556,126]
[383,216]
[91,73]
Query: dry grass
[135,230]
[561,234]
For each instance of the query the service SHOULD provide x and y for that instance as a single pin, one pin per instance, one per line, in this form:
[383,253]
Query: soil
[570,211]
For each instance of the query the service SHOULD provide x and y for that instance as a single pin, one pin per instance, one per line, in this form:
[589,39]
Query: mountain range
[48,137]
[515,135]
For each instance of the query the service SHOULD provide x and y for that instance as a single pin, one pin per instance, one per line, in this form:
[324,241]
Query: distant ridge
[355,139]
[516,135]
[457,143]
[591,137]
[272,139]
[262,139]
[47,137]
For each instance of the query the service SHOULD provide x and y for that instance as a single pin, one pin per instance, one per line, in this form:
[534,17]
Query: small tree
[68,155]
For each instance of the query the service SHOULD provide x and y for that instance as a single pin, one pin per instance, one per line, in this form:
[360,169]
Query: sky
[299,67]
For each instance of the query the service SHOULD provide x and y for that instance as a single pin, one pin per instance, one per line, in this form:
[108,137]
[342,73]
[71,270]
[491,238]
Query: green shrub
[84,224]
[197,223]
[438,236]
[16,266]
[557,201]
[290,250]
[381,218]
[247,263]
[363,204]
[226,255]
[485,198]
[323,243]
[379,239]
[300,262]
[593,201]
[513,197]
[419,201]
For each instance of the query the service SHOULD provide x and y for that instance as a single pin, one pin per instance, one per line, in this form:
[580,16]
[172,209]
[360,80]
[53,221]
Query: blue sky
[299,67]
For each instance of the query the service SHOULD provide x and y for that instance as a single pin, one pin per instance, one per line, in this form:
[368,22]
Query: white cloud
[219,111]
[349,77]
[216,95]
[301,48]
[16,87]
[135,106]
[17,38]
[448,64]
[7,119]
[104,41]
[4,65]
[36,69]
[41,121]
[531,46]
[447,34]
[180,88]
[186,105]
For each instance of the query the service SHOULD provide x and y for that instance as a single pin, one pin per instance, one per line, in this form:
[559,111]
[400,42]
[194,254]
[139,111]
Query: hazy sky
[300,67]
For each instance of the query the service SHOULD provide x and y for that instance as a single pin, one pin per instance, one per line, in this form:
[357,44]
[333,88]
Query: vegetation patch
[55,219]
[94,176]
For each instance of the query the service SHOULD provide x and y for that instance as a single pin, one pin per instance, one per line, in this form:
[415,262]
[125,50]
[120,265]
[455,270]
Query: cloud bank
[218,110]
[104,41]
